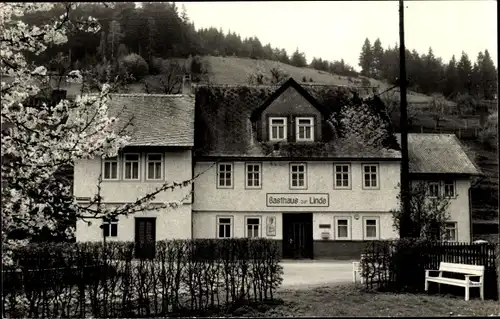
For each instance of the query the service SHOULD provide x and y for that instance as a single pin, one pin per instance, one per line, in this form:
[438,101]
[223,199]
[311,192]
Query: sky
[334,30]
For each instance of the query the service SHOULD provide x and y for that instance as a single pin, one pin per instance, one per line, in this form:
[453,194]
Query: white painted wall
[177,167]
[170,224]
[205,224]
[459,209]
[275,179]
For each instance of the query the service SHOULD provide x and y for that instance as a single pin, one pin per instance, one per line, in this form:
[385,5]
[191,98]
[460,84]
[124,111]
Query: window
[298,176]
[253,175]
[370,179]
[225,175]
[342,228]
[304,128]
[371,228]
[110,168]
[277,129]
[253,227]
[433,189]
[110,227]
[224,225]
[341,175]
[154,166]
[450,233]
[131,166]
[449,189]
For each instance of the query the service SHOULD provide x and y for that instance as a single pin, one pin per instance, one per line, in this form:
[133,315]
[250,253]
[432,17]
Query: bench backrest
[462,268]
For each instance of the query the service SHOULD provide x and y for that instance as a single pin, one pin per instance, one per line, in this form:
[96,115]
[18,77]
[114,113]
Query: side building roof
[156,119]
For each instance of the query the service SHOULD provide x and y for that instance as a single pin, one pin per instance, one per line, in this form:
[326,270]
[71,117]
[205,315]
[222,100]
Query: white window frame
[297,129]
[335,165]
[109,161]
[433,183]
[259,226]
[377,175]
[219,224]
[154,161]
[452,183]
[284,125]
[225,172]
[259,179]
[292,175]
[377,228]
[138,161]
[447,228]
[108,224]
[336,223]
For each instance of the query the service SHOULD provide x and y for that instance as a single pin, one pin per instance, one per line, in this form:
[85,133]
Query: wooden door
[145,237]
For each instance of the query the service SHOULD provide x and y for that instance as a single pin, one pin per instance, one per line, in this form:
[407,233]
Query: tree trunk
[498,268]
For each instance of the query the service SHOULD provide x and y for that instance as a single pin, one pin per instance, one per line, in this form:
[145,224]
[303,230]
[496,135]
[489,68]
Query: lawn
[348,300]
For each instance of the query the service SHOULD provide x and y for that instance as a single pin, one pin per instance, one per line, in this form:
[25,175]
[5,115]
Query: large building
[294,163]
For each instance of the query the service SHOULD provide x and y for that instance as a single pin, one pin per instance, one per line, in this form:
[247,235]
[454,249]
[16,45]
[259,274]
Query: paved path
[311,273]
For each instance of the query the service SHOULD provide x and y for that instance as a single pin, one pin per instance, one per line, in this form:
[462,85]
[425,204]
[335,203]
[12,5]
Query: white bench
[467,270]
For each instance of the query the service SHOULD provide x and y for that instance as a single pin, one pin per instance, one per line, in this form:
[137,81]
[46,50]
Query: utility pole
[405,223]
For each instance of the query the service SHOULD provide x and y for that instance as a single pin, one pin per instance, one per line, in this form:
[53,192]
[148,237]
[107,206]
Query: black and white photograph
[249,159]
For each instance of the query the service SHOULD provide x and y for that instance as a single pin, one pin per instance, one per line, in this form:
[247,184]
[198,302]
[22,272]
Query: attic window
[277,129]
[304,128]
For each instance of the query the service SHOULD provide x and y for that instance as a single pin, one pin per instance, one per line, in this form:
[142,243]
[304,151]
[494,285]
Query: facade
[160,150]
[288,163]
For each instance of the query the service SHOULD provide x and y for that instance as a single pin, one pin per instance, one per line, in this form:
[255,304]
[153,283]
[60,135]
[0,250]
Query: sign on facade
[271,226]
[297,200]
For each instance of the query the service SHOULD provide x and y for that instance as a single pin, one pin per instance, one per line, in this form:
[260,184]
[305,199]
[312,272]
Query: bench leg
[439,288]
[481,292]
[466,293]
[354,276]
[426,285]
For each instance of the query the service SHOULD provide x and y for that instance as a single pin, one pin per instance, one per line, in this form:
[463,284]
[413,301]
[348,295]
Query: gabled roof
[224,127]
[438,154]
[293,84]
[156,119]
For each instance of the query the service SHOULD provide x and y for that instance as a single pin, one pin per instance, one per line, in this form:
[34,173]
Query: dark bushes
[184,277]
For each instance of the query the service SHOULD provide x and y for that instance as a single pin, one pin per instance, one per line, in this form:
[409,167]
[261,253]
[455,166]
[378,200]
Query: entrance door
[297,236]
[145,237]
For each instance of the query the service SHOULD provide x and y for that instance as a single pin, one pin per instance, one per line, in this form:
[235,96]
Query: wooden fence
[395,265]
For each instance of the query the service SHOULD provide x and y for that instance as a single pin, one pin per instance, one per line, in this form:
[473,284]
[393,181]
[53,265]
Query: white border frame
[231,226]
[246,175]
[285,129]
[377,227]
[336,228]
[124,159]
[260,225]
[146,167]
[311,121]
[109,160]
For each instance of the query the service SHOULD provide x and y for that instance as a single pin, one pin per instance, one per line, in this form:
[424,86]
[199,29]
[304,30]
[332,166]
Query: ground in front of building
[348,300]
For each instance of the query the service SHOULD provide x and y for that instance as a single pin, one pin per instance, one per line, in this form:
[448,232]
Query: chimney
[187,87]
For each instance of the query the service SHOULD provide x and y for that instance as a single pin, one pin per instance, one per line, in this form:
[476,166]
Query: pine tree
[464,71]
[366,58]
[101,50]
[489,76]
[451,87]
[298,59]
[152,35]
[378,55]
[115,36]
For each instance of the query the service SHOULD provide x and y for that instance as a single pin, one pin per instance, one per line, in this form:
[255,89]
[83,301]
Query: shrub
[135,65]
[185,276]
[489,133]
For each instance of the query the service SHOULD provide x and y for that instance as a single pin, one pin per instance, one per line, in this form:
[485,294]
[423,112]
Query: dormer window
[304,128]
[277,129]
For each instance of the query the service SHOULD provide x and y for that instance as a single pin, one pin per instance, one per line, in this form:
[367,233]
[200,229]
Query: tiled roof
[438,153]
[157,119]
[224,126]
